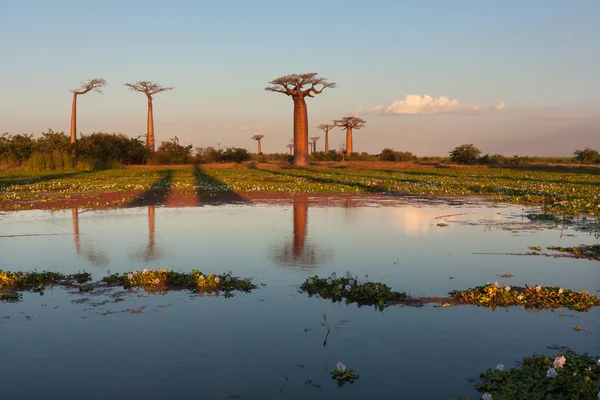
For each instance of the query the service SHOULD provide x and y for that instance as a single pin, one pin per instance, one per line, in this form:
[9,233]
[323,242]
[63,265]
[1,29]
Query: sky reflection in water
[270,342]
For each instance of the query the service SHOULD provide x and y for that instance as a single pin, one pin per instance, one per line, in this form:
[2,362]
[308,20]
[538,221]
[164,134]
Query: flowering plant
[342,374]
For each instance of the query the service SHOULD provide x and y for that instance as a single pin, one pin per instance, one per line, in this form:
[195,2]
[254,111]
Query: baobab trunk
[300,133]
[74,119]
[151,228]
[75,215]
[300,223]
[349,141]
[259,148]
[326,142]
[150,136]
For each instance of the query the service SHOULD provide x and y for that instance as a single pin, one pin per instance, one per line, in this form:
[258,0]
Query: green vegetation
[465,154]
[353,290]
[591,252]
[560,192]
[493,295]
[343,375]
[566,376]
[154,281]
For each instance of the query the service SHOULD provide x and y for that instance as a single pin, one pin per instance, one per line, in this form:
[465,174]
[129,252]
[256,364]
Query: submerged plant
[564,376]
[343,375]
[355,291]
[494,295]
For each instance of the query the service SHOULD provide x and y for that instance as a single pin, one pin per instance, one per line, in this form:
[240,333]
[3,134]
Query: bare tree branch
[92,84]
[350,122]
[326,127]
[293,85]
[150,88]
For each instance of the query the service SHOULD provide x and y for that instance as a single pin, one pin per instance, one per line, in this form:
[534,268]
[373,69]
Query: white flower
[486,396]
[538,287]
[560,291]
[500,367]
[507,288]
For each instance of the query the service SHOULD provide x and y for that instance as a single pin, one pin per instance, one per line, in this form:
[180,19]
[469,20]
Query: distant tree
[149,88]
[51,141]
[465,154]
[348,124]
[171,152]
[313,140]
[235,154]
[587,156]
[291,147]
[93,84]
[300,86]
[387,155]
[326,128]
[258,138]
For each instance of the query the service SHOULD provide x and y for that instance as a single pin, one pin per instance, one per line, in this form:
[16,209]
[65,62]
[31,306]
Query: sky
[511,77]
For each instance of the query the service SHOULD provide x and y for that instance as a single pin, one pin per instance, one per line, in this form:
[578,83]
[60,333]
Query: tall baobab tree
[348,124]
[258,138]
[291,147]
[326,128]
[313,141]
[93,84]
[300,86]
[149,88]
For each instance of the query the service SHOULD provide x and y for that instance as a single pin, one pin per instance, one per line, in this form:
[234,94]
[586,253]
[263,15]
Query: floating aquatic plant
[564,376]
[591,252]
[35,281]
[343,375]
[353,290]
[494,295]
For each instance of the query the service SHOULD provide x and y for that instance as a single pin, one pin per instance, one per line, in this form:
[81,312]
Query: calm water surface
[269,344]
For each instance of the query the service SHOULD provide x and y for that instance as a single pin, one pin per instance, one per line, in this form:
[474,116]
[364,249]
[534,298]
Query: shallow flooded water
[270,343]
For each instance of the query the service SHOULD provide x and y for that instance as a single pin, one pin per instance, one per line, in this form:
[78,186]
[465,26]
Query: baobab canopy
[299,86]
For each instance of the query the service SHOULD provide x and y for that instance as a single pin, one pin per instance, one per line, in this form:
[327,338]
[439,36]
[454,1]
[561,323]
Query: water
[269,343]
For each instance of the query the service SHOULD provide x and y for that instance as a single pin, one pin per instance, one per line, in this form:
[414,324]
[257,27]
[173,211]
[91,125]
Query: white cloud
[415,104]
[252,128]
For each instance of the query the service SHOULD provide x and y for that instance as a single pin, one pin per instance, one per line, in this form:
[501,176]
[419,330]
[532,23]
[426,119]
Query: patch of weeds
[535,248]
[37,281]
[564,376]
[550,218]
[10,296]
[442,225]
[161,280]
[538,297]
[355,291]
[88,287]
[591,252]
[343,375]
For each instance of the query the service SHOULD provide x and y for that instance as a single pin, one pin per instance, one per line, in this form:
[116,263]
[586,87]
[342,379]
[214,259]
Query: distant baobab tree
[149,88]
[326,128]
[258,138]
[93,84]
[291,147]
[347,124]
[313,140]
[294,86]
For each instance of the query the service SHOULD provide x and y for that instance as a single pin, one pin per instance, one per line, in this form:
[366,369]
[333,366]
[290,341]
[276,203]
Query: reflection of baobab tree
[300,251]
[151,252]
[95,258]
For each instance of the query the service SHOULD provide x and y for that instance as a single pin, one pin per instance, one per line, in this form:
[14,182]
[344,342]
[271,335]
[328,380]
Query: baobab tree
[149,88]
[313,140]
[93,84]
[291,147]
[300,86]
[348,124]
[326,128]
[258,139]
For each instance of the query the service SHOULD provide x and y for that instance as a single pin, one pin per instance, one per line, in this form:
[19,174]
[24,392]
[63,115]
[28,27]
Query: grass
[564,192]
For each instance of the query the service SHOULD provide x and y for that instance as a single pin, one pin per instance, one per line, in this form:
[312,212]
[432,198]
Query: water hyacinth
[352,291]
[343,375]
[499,367]
[529,296]
[340,366]
[551,373]
[559,362]
[486,396]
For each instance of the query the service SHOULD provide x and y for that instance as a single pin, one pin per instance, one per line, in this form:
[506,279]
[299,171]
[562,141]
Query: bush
[235,154]
[587,156]
[465,154]
[171,152]
[108,148]
[391,155]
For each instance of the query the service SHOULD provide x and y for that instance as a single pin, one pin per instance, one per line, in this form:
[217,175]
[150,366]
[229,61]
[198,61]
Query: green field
[569,192]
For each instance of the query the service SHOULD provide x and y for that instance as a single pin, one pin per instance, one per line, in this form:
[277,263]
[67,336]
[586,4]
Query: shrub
[235,154]
[171,152]
[465,154]
[587,156]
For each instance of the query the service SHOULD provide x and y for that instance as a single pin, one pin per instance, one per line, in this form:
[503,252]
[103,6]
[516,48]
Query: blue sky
[538,58]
